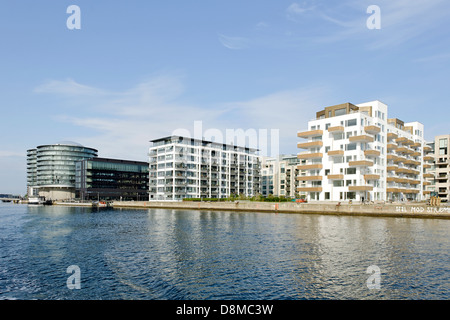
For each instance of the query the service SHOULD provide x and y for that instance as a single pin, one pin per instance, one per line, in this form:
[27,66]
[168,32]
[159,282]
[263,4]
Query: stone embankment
[413,210]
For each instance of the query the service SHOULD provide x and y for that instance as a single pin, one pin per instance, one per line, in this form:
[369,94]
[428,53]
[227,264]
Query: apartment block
[182,167]
[356,152]
[442,167]
[278,176]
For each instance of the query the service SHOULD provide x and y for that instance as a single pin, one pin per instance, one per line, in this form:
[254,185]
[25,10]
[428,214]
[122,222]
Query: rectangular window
[340,112]
[350,146]
[338,183]
[350,123]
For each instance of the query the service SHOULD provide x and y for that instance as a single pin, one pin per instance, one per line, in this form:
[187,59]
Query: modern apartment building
[278,176]
[111,179]
[51,169]
[356,152]
[181,167]
[442,167]
[429,171]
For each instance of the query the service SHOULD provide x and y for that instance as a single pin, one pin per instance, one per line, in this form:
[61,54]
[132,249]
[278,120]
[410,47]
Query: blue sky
[138,70]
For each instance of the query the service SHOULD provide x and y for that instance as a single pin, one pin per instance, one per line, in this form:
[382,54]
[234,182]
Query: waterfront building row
[67,170]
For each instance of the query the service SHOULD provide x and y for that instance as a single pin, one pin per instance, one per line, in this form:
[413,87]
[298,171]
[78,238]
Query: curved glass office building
[51,169]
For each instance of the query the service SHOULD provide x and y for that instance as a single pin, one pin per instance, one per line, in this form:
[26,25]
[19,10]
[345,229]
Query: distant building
[429,171]
[441,174]
[111,179]
[182,167]
[355,152]
[51,169]
[279,176]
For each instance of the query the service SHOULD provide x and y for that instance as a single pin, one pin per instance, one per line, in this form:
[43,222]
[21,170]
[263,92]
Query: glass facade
[54,165]
[111,179]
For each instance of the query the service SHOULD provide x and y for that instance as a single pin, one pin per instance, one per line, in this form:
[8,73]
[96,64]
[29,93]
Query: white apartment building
[355,152]
[439,174]
[182,167]
[278,176]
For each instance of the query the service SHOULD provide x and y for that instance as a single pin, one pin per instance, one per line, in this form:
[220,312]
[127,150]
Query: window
[338,183]
[340,112]
[351,146]
[350,123]
[443,145]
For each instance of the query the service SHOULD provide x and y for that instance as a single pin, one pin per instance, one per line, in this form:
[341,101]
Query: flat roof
[203,141]
[111,160]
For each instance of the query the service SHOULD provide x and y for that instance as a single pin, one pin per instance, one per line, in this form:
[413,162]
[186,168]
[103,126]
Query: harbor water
[156,254]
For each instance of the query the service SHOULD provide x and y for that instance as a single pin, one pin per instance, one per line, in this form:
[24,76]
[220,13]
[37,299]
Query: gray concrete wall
[388,210]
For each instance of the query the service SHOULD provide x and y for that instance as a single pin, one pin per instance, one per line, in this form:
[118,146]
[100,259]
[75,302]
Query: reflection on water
[170,254]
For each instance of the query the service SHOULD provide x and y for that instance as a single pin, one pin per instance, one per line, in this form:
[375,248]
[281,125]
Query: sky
[139,70]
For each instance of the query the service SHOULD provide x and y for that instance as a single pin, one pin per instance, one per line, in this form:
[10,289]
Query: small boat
[100,204]
[48,202]
[36,201]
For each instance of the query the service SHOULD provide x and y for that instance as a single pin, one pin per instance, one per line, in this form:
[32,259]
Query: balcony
[360,163]
[310,134]
[404,150]
[307,155]
[391,146]
[335,177]
[308,145]
[336,129]
[428,175]
[335,153]
[309,189]
[361,138]
[428,158]
[371,177]
[360,188]
[401,140]
[372,153]
[309,166]
[309,178]
[372,129]
[391,136]
[412,162]
[392,157]
[392,190]
[411,191]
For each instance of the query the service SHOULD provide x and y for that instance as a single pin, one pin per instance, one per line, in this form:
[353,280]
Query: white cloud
[401,20]
[67,87]
[234,43]
[124,122]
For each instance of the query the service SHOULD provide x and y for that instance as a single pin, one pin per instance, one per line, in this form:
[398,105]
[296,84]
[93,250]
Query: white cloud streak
[125,121]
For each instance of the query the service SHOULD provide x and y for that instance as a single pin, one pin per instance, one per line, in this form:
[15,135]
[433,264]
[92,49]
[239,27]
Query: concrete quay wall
[411,210]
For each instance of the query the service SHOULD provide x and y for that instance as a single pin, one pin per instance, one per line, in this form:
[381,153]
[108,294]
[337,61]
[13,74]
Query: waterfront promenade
[412,210]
